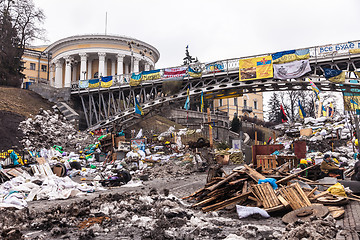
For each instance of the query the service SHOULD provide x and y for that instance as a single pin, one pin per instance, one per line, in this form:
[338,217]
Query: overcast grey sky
[213,30]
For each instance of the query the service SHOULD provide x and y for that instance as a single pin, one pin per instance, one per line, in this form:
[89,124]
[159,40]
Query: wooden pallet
[266,161]
[295,196]
[266,194]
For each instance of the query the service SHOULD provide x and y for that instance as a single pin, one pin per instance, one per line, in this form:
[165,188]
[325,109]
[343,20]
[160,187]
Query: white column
[120,64]
[106,67]
[127,68]
[67,72]
[51,76]
[147,66]
[113,67]
[101,64]
[89,71]
[136,64]
[83,58]
[58,74]
[74,73]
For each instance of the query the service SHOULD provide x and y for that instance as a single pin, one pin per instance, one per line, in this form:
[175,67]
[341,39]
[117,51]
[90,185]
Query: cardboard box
[306,132]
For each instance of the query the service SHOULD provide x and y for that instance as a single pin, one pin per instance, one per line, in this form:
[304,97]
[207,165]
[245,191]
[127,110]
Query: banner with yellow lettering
[255,68]
[151,75]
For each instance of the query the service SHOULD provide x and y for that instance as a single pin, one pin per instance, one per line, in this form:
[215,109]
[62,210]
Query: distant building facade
[250,104]
[75,58]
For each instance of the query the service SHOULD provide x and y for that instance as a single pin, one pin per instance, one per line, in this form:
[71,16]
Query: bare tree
[19,25]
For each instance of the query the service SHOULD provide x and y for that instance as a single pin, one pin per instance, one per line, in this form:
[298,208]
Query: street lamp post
[84,72]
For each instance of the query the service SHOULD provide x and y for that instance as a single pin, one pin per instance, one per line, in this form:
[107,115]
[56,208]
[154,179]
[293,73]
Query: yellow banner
[151,76]
[255,68]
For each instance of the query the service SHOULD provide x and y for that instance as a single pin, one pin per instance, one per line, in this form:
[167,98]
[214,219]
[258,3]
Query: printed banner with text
[255,68]
[292,69]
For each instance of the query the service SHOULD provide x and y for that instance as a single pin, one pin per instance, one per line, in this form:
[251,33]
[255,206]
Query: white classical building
[86,57]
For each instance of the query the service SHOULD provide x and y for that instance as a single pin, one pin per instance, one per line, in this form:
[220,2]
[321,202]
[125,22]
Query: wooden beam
[210,128]
[288,178]
[253,173]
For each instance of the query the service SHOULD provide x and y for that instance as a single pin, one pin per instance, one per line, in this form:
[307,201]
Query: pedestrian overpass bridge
[113,105]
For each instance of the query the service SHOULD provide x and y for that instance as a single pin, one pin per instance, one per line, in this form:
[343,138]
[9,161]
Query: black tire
[125,176]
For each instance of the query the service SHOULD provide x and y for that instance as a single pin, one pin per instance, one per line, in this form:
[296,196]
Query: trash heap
[42,184]
[322,135]
[48,128]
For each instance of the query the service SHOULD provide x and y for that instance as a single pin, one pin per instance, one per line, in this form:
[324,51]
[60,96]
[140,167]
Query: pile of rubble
[48,129]
[316,228]
[129,216]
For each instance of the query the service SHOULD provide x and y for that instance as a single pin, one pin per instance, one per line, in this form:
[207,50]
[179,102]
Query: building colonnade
[69,69]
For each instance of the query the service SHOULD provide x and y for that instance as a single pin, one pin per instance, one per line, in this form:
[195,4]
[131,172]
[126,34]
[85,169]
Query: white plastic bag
[244,212]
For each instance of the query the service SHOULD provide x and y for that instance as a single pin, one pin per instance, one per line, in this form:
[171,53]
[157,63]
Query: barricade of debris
[322,135]
[48,128]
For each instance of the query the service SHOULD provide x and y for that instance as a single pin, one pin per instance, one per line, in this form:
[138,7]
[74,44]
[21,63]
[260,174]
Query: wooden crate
[266,161]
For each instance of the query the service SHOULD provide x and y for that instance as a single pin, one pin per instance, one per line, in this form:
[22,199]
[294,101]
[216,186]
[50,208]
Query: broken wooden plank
[213,187]
[227,202]
[237,181]
[253,173]
[312,191]
[283,201]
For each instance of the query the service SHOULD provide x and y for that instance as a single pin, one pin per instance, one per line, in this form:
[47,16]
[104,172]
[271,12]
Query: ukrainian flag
[323,111]
[93,83]
[193,73]
[202,102]
[302,113]
[290,56]
[138,108]
[315,88]
[106,81]
[151,75]
[187,103]
[135,79]
[334,75]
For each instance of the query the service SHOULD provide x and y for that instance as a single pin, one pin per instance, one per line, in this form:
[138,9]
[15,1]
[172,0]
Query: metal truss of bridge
[105,106]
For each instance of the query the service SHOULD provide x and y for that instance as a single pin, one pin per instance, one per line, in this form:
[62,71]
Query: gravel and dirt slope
[15,106]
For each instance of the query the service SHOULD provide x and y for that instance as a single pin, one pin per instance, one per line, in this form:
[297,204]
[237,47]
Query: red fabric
[283,115]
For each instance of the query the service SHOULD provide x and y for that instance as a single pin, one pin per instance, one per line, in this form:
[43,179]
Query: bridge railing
[206,69]
[228,65]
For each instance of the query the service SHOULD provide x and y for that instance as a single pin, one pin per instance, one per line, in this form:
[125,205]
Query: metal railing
[229,65]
